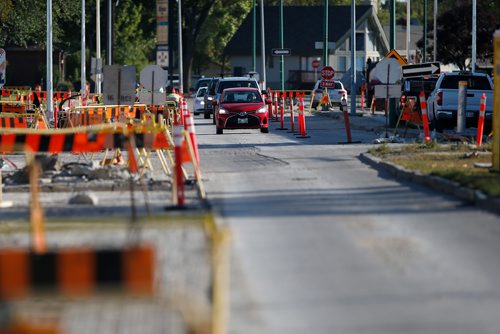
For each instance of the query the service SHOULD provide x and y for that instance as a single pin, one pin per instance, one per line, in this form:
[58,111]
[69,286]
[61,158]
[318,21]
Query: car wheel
[206,115]
[264,130]
[437,125]
[219,131]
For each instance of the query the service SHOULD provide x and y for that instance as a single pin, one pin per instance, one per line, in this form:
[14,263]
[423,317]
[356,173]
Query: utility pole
[353,57]
[408,25]
[282,58]
[435,31]
[473,61]
[254,35]
[98,47]
[263,45]
[325,36]
[49,79]
[424,53]
[392,43]
[83,81]
[110,34]
[181,76]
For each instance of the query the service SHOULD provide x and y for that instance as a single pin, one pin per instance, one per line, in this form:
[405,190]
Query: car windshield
[236,84]
[201,92]
[241,97]
[473,82]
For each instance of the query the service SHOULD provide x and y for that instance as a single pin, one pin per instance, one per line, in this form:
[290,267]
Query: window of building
[342,64]
[360,41]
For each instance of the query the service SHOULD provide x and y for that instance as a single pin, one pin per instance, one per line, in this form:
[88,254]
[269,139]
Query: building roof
[416,33]
[302,26]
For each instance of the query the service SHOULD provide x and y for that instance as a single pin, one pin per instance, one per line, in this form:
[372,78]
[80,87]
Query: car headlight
[209,98]
[202,102]
[222,111]
[262,110]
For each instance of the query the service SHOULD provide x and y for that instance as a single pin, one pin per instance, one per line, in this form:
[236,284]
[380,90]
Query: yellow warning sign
[394,54]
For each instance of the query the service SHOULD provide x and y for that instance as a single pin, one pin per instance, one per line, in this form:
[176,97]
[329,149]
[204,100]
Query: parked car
[199,100]
[241,108]
[442,103]
[202,82]
[209,97]
[336,93]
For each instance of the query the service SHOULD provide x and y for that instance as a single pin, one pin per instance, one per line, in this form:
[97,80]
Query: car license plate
[242,120]
[469,114]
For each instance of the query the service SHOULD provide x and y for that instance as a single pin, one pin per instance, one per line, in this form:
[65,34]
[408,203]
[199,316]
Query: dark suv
[209,97]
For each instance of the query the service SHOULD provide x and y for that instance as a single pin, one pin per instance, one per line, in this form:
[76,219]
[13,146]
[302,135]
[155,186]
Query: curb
[475,197]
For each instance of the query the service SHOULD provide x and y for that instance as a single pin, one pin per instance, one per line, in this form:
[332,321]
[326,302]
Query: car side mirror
[264,92]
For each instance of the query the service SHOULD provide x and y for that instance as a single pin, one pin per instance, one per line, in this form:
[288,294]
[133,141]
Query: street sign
[385,91]
[153,78]
[281,52]
[327,83]
[387,71]
[119,85]
[319,45]
[417,70]
[327,73]
[394,54]
[162,55]
[315,63]
[3,64]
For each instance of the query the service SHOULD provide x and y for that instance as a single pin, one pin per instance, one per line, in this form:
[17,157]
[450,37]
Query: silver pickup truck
[442,103]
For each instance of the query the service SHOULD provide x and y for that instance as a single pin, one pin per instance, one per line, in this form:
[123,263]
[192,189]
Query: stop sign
[315,63]
[327,72]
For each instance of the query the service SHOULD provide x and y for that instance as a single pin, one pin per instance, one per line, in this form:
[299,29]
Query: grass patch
[453,161]
[453,165]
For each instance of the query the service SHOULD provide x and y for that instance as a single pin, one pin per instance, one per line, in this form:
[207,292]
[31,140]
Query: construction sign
[394,54]
[3,64]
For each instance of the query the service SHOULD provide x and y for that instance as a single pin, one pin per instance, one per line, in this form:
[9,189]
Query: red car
[241,108]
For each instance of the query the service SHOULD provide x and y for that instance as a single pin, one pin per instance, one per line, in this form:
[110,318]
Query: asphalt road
[325,244]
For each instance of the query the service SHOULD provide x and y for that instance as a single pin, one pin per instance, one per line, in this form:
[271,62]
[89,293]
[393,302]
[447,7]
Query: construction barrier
[275,104]
[282,113]
[292,118]
[76,272]
[179,196]
[425,119]
[302,119]
[80,140]
[480,121]
[22,121]
[410,113]
[346,121]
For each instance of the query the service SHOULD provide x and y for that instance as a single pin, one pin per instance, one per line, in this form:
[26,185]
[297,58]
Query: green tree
[455,29]
[133,45]
[24,22]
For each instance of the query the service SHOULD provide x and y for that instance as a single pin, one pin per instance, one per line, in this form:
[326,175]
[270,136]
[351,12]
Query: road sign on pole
[281,52]
[119,85]
[394,54]
[327,73]
[153,78]
[417,70]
